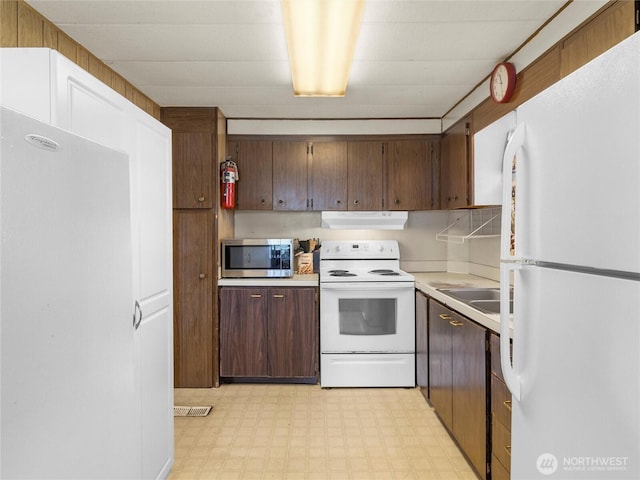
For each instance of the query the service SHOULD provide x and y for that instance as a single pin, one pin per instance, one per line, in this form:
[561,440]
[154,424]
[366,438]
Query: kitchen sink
[487,300]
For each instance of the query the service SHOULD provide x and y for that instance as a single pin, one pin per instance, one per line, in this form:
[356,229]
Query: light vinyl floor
[303,432]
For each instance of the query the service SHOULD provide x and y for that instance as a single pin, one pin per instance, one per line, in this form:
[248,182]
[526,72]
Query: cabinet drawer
[501,443]
[501,402]
[498,472]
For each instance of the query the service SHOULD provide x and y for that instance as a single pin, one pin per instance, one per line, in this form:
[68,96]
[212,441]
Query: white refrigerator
[572,188]
[69,405]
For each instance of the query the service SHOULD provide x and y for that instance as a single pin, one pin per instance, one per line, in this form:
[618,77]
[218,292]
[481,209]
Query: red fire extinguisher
[228,179]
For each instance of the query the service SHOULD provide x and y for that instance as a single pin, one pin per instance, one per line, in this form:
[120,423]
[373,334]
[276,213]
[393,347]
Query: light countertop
[429,282]
[426,282]
[310,280]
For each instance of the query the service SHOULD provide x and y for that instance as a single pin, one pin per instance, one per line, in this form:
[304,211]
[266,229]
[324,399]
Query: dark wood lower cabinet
[422,343]
[469,375]
[269,332]
[440,363]
[458,380]
[500,416]
[243,332]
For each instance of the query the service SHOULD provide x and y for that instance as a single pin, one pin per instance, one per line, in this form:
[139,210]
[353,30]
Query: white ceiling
[414,59]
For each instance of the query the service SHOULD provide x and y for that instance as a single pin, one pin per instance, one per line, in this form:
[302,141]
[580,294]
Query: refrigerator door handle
[514,144]
[511,378]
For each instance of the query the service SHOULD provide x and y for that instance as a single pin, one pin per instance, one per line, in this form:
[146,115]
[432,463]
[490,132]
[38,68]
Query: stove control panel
[360,249]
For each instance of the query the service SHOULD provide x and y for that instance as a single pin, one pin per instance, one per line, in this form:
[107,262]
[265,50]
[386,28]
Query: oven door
[367,317]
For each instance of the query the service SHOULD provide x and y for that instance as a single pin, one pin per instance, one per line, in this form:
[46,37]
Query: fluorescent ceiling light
[321,37]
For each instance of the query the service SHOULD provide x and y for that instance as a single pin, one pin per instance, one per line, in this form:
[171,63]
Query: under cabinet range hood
[364,220]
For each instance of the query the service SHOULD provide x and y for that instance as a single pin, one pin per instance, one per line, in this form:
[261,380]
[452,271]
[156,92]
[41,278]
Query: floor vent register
[179,411]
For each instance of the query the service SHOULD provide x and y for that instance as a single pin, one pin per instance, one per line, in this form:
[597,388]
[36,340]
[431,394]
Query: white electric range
[367,315]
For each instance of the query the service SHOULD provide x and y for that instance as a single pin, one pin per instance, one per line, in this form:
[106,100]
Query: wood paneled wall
[614,23]
[22,26]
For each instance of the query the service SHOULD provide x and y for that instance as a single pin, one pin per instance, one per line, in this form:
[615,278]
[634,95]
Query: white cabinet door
[150,150]
[86,106]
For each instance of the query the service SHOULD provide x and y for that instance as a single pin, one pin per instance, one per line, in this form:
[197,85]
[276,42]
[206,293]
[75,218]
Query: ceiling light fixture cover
[321,39]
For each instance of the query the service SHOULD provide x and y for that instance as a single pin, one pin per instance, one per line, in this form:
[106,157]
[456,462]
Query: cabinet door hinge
[237,149]
[486,345]
[467,131]
[382,148]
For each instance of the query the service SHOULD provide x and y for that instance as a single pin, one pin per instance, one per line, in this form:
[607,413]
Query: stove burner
[341,273]
[385,271]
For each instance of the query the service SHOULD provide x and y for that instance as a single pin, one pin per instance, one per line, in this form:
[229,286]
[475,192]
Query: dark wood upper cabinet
[365,175]
[290,171]
[193,149]
[328,176]
[455,166]
[255,169]
[409,175]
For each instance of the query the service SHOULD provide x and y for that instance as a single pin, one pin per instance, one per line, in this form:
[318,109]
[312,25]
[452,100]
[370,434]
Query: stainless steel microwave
[257,258]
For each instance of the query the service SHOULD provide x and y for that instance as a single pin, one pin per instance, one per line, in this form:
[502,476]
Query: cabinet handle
[508,449]
[456,323]
[397,201]
[338,202]
[256,295]
[507,404]
[262,201]
[202,276]
[445,316]
[137,316]
[356,202]
[201,199]
[278,296]
[280,202]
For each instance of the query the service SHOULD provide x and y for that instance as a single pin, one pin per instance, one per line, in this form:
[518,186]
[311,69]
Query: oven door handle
[367,286]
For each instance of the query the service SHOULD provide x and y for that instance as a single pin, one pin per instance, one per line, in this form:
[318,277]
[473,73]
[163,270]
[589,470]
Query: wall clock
[502,82]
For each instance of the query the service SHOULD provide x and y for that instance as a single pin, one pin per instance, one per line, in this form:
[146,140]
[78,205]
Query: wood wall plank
[67,46]
[50,35]
[8,23]
[119,84]
[611,27]
[30,26]
[99,69]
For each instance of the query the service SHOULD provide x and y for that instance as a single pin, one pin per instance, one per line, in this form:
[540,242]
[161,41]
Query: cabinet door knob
[201,199]
[397,201]
[338,202]
[202,276]
[280,202]
[262,201]
[356,202]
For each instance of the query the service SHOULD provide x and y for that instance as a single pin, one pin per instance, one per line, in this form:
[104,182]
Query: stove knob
[381,248]
[337,248]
